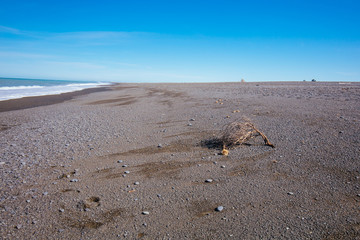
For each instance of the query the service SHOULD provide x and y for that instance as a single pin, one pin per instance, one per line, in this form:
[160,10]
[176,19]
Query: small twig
[266,140]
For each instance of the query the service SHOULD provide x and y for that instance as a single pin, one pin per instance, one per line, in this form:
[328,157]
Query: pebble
[136,183]
[119,161]
[192,119]
[290,193]
[189,124]
[45,193]
[28,200]
[358,195]
[18,226]
[74,180]
[158,195]
[61,210]
[2,163]
[159,145]
[127,172]
[223,166]
[124,165]
[145,213]
[208,180]
[219,208]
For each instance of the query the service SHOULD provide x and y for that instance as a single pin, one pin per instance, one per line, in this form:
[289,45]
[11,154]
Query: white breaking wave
[19,87]
[7,93]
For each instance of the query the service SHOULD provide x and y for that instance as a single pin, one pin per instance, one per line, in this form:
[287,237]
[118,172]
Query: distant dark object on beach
[313,80]
[304,80]
[242,80]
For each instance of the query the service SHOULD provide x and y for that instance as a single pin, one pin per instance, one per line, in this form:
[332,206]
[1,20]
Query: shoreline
[37,101]
[44,100]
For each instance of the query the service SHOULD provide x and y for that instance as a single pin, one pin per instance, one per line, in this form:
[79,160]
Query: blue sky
[180,41]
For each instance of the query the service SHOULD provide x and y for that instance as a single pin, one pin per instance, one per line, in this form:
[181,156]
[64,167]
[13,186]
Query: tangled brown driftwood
[237,133]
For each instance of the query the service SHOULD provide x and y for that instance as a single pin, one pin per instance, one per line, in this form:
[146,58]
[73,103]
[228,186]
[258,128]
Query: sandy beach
[134,162]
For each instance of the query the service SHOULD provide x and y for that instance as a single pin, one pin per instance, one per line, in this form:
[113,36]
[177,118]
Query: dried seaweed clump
[237,133]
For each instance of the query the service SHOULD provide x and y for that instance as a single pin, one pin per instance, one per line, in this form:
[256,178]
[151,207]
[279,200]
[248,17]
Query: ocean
[11,88]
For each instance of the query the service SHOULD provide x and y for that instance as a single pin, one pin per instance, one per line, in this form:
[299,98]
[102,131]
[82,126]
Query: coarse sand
[137,162]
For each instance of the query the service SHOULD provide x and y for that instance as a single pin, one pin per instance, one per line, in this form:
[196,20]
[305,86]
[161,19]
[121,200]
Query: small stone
[124,165]
[290,193]
[358,195]
[189,124]
[136,183]
[219,208]
[119,161]
[145,213]
[159,145]
[61,210]
[222,166]
[74,180]
[158,195]
[28,200]
[2,163]
[61,230]
[199,165]
[87,209]
[214,162]
[192,119]
[208,180]
[18,226]
[144,224]
[127,172]
[45,193]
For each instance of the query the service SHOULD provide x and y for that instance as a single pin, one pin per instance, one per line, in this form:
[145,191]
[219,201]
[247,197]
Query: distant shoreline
[44,100]
[37,101]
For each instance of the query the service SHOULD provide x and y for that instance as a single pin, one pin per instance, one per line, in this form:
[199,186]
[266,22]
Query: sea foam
[13,92]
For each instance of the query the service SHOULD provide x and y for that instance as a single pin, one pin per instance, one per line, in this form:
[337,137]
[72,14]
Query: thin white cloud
[10,30]
[85,36]
[10,54]
[82,65]
[88,35]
